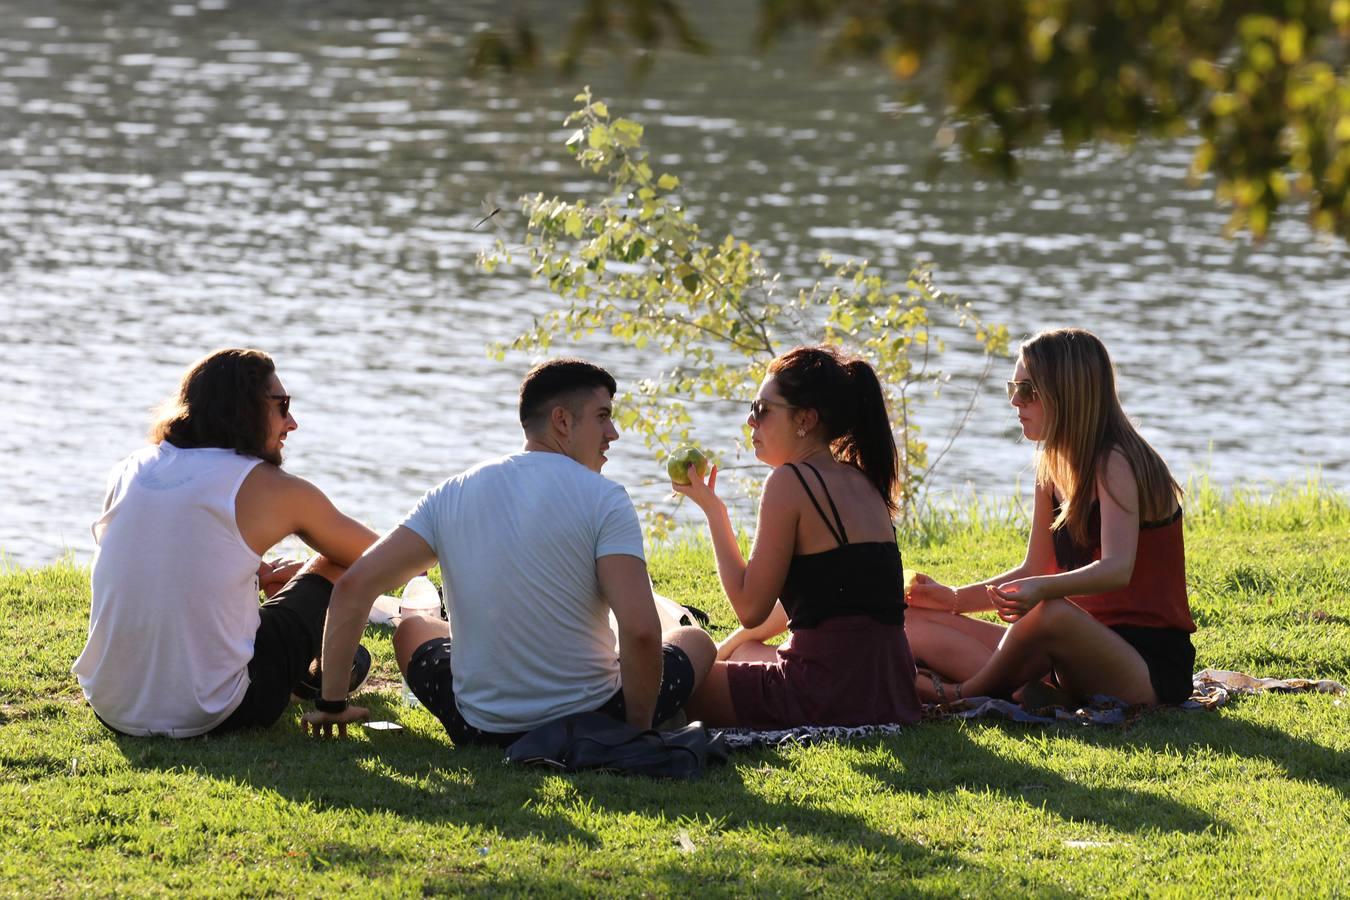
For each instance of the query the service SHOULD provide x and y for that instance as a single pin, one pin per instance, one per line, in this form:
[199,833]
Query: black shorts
[430,678]
[1170,658]
[290,636]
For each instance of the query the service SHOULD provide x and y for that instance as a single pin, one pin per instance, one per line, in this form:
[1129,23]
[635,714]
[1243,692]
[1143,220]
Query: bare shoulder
[1118,476]
[782,485]
[269,484]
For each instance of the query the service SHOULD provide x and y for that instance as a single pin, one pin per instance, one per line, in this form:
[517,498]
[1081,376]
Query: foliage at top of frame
[1263,84]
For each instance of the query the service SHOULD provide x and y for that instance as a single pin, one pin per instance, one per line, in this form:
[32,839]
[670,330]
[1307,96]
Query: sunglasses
[760,408]
[1022,392]
[283,403]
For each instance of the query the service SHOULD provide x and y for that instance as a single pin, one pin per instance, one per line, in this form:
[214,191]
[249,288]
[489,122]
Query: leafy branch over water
[633,265]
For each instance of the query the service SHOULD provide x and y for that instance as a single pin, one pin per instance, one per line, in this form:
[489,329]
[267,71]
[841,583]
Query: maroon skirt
[850,671]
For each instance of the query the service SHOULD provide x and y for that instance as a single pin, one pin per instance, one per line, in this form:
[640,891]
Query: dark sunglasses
[1022,392]
[760,408]
[283,403]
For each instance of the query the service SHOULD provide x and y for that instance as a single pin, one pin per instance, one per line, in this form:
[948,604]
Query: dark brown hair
[221,402]
[559,381]
[846,395]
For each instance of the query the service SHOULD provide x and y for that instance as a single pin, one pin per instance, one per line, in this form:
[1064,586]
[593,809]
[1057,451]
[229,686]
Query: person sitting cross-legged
[1098,606]
[825,565]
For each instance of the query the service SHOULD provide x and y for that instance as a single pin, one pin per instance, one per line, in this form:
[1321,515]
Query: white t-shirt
[175,594]
[517,539]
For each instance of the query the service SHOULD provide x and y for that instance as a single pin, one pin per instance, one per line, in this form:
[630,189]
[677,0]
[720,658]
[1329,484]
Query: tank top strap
[816,503]
[838,534]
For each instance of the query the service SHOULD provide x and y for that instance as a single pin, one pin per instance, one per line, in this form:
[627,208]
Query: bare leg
[711,703]
[1085,655]
[955,647]
[698,645]
[754,651]
[322,565]
[412,633]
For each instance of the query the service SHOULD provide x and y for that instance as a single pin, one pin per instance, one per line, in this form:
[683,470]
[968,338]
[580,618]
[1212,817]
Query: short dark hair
[221,402]
[558,380]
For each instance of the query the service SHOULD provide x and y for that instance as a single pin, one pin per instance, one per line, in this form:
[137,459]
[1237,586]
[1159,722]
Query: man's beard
[271,456]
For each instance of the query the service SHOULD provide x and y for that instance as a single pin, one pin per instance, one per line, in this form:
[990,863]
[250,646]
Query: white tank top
[175,594]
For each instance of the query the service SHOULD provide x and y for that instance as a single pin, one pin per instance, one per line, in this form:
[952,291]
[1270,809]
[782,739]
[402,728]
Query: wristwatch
[330,706]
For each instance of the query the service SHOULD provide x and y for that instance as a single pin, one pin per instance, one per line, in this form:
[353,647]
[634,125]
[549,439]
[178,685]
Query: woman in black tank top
[824,566]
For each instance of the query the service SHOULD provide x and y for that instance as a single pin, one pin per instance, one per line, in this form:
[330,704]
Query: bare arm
[273,504]
[1119,541]
[774,625]
[628,591]
[1038,560]
[397,557]
[751,587]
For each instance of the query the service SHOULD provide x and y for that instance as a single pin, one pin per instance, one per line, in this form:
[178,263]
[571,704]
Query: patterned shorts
[430,678]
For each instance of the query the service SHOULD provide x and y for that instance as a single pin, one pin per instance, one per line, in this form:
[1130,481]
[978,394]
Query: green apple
[682,460]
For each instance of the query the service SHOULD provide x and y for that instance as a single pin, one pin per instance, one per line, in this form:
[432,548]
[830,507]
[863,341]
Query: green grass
[1251,800]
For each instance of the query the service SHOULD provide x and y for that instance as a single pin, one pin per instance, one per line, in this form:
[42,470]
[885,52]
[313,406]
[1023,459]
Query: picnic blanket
[1211,689]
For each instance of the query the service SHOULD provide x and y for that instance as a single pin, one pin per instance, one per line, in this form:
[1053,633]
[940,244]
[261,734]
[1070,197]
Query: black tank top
[864,579]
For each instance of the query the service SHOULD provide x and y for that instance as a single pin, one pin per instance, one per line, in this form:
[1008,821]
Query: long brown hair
[846,395]
[1084,422]
[221,402]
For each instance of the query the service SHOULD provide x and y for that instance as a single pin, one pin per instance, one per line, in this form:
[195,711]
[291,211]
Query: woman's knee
[1048,618]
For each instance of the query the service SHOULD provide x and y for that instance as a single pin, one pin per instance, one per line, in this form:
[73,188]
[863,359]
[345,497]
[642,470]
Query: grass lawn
[1253,799]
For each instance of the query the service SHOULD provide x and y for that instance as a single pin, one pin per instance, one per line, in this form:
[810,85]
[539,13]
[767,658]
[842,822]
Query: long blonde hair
[1076,382]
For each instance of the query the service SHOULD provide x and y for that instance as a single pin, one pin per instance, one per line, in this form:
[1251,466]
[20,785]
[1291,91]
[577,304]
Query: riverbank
[1252,799]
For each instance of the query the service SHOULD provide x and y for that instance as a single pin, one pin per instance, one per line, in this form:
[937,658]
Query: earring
[801,432]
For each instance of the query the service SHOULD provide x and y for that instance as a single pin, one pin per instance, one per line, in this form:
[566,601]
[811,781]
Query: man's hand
[274,575]
[320,724]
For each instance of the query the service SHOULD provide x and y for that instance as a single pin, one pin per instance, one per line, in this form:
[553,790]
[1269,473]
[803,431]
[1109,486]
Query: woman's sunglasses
[283,403]
[1022,392]
[760,408]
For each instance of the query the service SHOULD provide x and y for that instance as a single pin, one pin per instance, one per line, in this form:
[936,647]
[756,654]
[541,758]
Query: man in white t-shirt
[178,643]
[536,549]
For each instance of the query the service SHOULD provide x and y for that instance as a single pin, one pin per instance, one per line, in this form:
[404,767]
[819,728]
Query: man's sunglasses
[283,403]
[1022,392]
[760,408]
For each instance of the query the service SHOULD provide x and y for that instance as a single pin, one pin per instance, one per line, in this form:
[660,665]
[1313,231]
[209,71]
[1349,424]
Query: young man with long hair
[178,643]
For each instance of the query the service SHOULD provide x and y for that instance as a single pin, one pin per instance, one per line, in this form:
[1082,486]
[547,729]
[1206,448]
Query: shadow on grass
[953,761]
[957,762]
[422,778]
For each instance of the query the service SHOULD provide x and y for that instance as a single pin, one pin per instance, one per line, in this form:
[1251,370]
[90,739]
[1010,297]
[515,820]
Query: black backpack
[593,741]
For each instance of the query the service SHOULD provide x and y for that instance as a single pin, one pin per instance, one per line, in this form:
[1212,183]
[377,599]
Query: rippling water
[304,178]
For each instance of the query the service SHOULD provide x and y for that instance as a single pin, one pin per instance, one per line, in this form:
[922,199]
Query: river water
[305,178]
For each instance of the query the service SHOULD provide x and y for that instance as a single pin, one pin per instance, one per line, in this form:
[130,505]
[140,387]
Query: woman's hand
[1014,599]
[728,645]
[703,493]
[925,593]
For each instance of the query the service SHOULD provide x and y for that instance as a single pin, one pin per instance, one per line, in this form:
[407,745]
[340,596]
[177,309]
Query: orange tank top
[1156,594]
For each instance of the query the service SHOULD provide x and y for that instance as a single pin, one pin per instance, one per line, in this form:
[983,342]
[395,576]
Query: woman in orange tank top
[1098,605]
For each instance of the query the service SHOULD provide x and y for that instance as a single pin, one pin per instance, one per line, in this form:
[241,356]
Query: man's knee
[412,633]
[323,566]
[696,644]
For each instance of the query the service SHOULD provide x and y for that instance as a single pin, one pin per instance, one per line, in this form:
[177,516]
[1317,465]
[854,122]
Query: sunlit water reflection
[305,180]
